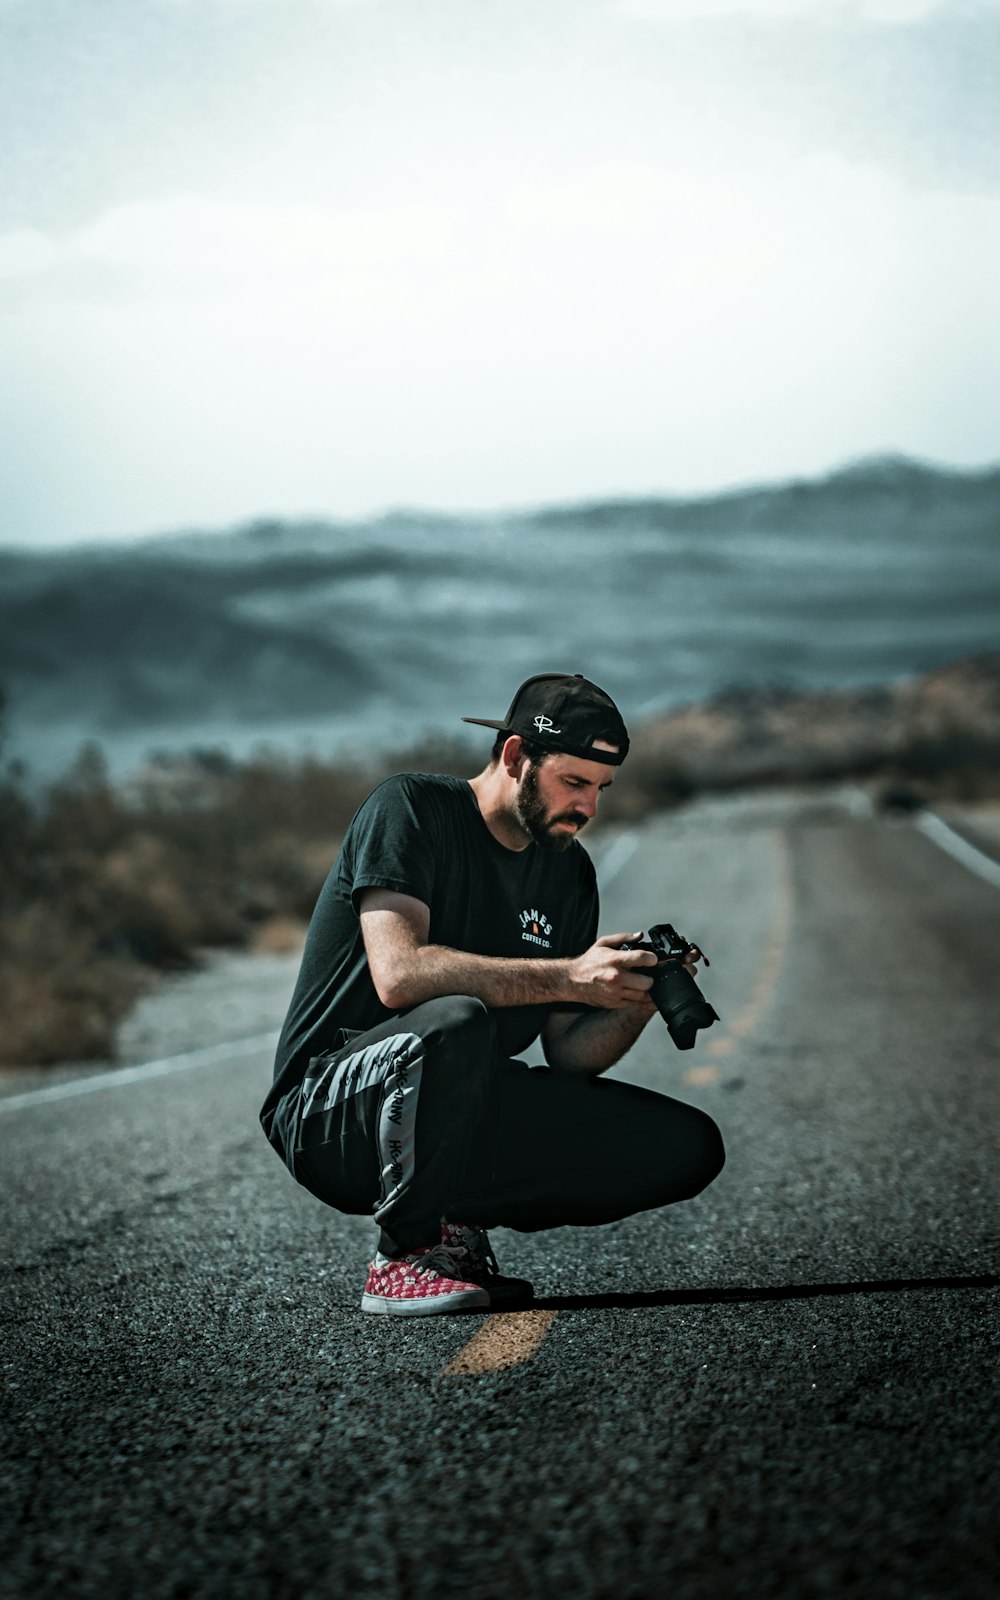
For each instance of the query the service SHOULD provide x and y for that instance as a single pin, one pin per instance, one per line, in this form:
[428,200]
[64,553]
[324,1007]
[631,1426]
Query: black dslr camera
[677,997]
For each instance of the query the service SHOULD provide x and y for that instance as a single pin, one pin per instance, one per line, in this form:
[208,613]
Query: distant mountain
[365,633]
[890,485]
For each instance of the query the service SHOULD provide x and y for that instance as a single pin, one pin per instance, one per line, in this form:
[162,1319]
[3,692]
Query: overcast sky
[329,256]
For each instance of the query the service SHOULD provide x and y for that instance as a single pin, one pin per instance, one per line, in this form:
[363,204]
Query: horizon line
[852,465]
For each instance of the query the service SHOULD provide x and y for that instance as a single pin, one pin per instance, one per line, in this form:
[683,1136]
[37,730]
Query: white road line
[620,853]
[946,838]
[147,1069]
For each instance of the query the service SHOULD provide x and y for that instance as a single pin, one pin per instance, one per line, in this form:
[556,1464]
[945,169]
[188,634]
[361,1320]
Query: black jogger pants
[420,1118]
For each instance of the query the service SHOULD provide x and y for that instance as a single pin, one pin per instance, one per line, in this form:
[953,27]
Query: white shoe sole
[427,1306]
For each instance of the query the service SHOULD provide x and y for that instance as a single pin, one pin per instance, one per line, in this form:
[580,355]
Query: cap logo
[544,725]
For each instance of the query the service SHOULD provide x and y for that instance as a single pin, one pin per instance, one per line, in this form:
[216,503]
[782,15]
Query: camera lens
[682,1006]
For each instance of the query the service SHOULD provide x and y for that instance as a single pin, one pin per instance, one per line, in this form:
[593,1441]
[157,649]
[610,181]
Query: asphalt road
[785,1387]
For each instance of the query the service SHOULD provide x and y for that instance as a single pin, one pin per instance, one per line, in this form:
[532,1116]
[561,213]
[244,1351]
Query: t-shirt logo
[535,928]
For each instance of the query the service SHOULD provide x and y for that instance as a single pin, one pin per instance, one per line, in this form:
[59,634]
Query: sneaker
[420,1284]
[472,1253]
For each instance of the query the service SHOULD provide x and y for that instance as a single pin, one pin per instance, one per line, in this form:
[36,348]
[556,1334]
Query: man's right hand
[608,976]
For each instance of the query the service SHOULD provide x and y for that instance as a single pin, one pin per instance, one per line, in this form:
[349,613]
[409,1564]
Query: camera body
[675,994]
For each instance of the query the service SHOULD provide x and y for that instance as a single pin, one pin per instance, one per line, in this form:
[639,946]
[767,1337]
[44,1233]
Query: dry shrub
[60,999]
[280,936]
[101,885]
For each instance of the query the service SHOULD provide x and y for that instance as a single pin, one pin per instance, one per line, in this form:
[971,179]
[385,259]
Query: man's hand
[692,958]
[613,978]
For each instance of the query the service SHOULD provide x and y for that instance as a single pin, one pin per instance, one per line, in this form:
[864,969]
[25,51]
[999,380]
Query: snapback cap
[565,713]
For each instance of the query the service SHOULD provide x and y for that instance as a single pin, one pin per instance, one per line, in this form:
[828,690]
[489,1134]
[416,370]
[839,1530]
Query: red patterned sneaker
[420,1284]
[472,1253]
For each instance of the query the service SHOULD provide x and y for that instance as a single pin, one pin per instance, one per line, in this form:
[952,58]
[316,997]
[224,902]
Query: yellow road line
[501,1342]
[704,1074]
[773,957]
[765,978]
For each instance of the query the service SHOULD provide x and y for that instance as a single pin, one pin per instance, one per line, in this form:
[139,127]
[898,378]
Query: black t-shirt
[423,835]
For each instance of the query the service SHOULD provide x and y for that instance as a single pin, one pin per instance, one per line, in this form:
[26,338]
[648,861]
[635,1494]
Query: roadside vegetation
[102,885]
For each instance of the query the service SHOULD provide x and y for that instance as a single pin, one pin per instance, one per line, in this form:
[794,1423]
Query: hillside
[356,634]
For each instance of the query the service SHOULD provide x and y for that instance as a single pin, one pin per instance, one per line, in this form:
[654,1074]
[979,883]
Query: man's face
[559,797]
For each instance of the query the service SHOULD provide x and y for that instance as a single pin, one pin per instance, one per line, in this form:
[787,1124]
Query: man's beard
[529,808]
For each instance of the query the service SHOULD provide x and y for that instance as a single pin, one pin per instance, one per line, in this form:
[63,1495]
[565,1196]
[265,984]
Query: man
[459,923]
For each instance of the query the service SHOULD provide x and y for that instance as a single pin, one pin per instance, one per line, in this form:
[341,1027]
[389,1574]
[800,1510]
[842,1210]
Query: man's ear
[513,757]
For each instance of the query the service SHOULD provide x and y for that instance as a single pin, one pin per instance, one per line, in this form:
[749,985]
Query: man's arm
[596,1040]
[406,970]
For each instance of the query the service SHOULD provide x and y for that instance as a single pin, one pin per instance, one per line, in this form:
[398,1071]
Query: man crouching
[457,925]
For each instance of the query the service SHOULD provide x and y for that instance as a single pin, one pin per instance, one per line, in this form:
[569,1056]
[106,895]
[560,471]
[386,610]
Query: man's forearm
[433,970]
[407,970]
[596,1040]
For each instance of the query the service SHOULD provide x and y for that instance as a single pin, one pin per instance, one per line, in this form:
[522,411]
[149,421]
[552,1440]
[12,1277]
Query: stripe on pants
[330,1080]
[397,1126]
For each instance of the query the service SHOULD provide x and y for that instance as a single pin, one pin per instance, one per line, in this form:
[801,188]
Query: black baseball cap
[566,714]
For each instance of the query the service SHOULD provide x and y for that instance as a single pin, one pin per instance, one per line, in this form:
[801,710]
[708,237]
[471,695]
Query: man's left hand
[692,958]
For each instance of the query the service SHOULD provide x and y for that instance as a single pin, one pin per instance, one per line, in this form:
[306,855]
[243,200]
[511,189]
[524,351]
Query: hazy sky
[284,256]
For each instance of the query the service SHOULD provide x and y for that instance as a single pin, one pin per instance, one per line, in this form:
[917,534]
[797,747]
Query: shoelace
[440,1259]
[475,1243]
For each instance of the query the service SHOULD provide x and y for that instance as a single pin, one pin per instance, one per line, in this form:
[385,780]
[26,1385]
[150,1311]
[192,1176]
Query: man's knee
[458,1031]
[458,1035]
[459,1018]
[704,1154]
[465,1012]
[686,1157]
